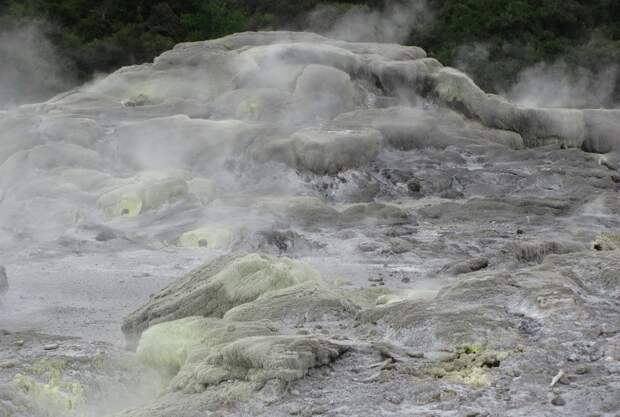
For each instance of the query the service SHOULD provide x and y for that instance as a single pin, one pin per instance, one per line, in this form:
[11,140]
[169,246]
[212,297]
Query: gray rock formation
[215,288]
[447,252]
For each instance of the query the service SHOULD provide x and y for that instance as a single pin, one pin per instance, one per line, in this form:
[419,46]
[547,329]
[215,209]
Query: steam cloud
[30,70]
[556,85]
[549,84]
[394,23]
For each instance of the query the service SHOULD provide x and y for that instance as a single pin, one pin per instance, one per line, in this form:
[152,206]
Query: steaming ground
[30,70]
[281,224]
[87,295]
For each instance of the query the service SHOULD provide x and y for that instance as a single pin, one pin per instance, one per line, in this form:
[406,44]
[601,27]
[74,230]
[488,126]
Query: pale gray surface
[432,178]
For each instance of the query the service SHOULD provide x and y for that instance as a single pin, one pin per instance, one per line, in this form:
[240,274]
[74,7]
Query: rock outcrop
[378,236]
[217,287]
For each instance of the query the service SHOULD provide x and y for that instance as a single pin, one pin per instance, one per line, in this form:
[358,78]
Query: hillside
[493,40]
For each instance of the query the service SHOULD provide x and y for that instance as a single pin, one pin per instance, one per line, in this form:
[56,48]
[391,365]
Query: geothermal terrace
[281,224]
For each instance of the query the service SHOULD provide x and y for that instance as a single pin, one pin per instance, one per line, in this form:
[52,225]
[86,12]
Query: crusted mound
[319,106]
[199,352]
[256,359]
[216,287]
[502,310]
[297,304]
[168,345]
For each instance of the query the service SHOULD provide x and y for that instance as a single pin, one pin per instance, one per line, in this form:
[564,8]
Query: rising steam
[393,23]
[557,85]
[30,69]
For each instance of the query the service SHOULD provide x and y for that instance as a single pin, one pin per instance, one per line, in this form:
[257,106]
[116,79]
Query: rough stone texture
[536,251]
[256,359]
[449,252]
[167,346]
[296,305]
[216,287]
[323,152]
[467,266]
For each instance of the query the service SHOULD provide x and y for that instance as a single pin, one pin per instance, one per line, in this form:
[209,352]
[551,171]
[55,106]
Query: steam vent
[280,224]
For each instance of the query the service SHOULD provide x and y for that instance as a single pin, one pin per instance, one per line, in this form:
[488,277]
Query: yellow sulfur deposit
[474,377]
[197,352]
[145,194]
[607,241]
[212,237]
[218,286]
[49,389]
[166,346]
